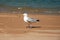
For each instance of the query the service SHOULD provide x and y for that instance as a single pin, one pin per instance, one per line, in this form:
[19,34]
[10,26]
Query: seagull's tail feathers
[37,20]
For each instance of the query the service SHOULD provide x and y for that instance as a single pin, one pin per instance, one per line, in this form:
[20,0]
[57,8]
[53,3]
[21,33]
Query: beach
[13,27]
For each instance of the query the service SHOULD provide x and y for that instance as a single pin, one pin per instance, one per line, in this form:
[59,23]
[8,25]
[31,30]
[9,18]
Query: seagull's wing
[31,20]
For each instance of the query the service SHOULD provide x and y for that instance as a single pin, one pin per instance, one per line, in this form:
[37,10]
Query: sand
[12,27]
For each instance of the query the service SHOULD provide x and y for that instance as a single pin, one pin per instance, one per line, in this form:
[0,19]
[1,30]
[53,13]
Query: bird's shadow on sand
[33,27]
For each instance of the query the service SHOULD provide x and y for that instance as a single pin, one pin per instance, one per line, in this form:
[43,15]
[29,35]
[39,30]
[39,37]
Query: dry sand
[12,27]
[30,36]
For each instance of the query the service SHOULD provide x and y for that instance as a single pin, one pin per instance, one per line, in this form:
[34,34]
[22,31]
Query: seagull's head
[25,14]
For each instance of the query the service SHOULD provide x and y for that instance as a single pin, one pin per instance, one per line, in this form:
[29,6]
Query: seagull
[29,20]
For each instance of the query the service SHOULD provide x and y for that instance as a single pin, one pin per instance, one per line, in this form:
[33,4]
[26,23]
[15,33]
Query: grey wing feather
[32,20]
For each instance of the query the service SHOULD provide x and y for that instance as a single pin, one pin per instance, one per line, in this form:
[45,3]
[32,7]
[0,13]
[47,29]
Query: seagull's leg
[30,26]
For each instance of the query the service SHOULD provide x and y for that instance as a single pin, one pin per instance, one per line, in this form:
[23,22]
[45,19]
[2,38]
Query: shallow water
[32,3]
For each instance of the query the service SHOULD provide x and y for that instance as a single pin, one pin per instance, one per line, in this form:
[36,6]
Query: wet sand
[12,27]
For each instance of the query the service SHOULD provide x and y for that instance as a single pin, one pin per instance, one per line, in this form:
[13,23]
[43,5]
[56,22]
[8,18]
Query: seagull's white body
[28,19]
[25,18]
